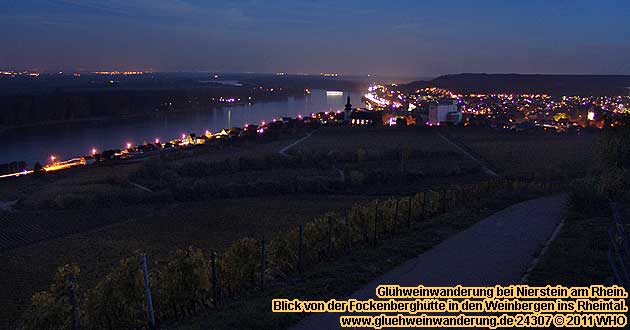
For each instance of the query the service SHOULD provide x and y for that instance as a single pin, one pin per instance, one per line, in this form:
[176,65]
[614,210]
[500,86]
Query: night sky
[414,37]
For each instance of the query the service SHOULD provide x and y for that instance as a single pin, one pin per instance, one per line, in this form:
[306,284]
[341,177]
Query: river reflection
[66,141]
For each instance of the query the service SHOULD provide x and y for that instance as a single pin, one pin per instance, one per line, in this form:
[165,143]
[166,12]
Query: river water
[66,141]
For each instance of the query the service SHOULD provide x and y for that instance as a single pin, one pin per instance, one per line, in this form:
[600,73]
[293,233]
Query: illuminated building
[334,93]
[371,118]
[445,111]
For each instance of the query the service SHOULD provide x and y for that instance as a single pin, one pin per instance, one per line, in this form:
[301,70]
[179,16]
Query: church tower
[347,112]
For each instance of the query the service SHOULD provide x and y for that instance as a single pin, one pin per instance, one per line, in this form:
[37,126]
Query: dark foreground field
[96,216]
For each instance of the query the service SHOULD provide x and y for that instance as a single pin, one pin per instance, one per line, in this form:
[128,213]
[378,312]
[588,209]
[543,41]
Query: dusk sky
[413,37]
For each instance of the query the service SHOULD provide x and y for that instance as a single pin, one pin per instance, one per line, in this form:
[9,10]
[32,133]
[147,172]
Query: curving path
[284,150]
[497,250]
[483,165]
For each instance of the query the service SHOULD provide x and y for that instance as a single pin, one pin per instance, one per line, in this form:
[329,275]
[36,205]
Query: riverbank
[68,139]
[118,118]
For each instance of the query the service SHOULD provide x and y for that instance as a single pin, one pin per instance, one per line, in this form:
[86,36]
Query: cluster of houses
[276,126]
[349,116]
[13,167]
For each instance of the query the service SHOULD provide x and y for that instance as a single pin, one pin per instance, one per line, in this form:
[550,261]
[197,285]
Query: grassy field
[579,255]
[110,178]
[545,154]
[95,216]
[344,139]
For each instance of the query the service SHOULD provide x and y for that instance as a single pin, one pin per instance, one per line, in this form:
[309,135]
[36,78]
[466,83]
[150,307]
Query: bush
[51,309]
[613,149]
[69,201]
[195,169]
[357,178]
[316,234]
[117,301]
[362,155]
[283,254]
[184,284]
[240,266]
[588,197]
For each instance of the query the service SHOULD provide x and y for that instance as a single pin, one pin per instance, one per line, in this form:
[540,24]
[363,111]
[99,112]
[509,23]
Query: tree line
[59,105]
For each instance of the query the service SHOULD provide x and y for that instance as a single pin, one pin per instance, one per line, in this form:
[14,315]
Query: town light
[128,145]
[93,151]
[183,136]
[157,140]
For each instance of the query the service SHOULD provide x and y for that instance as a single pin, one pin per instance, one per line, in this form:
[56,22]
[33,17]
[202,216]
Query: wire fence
[619,251]
[136,294]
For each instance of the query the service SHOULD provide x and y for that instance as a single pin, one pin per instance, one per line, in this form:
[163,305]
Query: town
[384,105]
[435,106]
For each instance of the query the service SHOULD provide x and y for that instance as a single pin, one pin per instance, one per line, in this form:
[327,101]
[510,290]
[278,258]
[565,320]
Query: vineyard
[194,280]
[211,198]
[553,156]
[19,229]
[25,228]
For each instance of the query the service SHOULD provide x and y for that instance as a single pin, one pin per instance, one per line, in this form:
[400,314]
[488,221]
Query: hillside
[481,83]
[215,195]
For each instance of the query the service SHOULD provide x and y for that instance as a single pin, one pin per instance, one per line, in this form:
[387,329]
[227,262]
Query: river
[65,141]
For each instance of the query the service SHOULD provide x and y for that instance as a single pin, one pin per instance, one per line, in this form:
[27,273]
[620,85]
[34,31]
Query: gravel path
[483,165]
[284,150]
[497,250]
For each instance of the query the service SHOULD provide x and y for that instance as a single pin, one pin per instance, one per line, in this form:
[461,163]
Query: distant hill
[482,83]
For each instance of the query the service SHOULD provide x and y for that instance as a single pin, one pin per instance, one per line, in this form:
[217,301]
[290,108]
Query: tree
[38,167]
